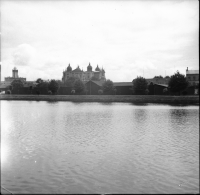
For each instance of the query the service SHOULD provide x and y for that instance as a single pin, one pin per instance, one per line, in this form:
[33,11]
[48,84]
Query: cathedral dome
[69,68]
[77,69]
[97,68]
[89,68]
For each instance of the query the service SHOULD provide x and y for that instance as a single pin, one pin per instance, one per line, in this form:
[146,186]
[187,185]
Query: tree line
[177,83]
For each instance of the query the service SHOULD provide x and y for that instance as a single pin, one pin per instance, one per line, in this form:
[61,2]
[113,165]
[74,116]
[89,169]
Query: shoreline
[107,98]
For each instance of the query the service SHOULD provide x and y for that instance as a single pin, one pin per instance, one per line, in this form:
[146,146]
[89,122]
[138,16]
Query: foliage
[73,92]
[165,91]
[78,86]
[43,84]
[177,82]
[53,86]
[100,91]
[70,82]
[39,80]
[139,85]
[38,92]
[17,83]
[60,83]
[108,86]
[167,77]
[8,92]
[31,88]
[158,77]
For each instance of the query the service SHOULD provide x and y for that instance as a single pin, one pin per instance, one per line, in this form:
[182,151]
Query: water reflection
[67,147]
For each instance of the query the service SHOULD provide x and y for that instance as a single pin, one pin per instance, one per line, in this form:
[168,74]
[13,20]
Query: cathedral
[98,74]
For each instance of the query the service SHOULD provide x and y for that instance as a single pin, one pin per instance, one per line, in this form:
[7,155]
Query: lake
[65,147]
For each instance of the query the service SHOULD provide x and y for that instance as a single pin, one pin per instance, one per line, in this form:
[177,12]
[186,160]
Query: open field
[107,98]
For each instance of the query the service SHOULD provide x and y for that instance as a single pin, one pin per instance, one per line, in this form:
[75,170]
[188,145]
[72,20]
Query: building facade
[192,76]
[98,74]
[14,77]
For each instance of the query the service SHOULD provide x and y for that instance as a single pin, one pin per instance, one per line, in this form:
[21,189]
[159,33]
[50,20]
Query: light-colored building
[14,77]
[192,76]
[98,74]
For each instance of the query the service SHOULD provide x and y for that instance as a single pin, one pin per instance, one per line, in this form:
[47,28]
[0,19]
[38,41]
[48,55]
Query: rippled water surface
[66,147]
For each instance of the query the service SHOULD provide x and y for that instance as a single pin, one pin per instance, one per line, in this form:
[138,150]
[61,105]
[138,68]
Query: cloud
[123,37]
[23,54]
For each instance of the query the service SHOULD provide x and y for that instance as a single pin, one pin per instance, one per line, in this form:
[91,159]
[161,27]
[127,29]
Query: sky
[126,38]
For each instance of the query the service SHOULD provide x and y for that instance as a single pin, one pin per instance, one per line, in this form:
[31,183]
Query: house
[192,76]
[92,87]
[123,88]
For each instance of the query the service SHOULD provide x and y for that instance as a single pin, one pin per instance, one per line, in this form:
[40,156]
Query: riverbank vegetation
[107,98]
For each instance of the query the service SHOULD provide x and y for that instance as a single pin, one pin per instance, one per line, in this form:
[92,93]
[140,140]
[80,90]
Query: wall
[92,88]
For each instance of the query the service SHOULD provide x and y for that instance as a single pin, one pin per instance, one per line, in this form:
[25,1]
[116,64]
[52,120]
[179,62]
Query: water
[66,147]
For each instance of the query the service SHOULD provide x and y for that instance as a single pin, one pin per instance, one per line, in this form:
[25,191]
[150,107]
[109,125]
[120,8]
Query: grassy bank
[107,98]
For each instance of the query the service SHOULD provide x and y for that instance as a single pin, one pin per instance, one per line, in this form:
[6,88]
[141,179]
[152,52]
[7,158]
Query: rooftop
[192,72]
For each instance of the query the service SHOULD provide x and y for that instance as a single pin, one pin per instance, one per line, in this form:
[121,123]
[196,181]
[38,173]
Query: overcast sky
[126,38]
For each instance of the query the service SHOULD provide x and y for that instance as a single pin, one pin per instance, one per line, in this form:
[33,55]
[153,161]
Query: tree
[53,86]
[108,86]
[177,83]
[43,84]
[17,84]
[60,83]
[39,80]
[70,81]
[79,86]
[158,77]
[139,85]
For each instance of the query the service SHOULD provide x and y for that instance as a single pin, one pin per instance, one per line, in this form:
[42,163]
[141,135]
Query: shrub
[165,91]
[8,92]
[38,92]
[100,91]
[49,92]
[73,92]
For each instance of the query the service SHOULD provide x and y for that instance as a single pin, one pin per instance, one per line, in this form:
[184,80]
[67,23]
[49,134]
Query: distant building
[14,77]
[98,74]
[122,88]
[192,76]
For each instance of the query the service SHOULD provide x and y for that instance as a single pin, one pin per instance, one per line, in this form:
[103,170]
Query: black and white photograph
[99,97]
